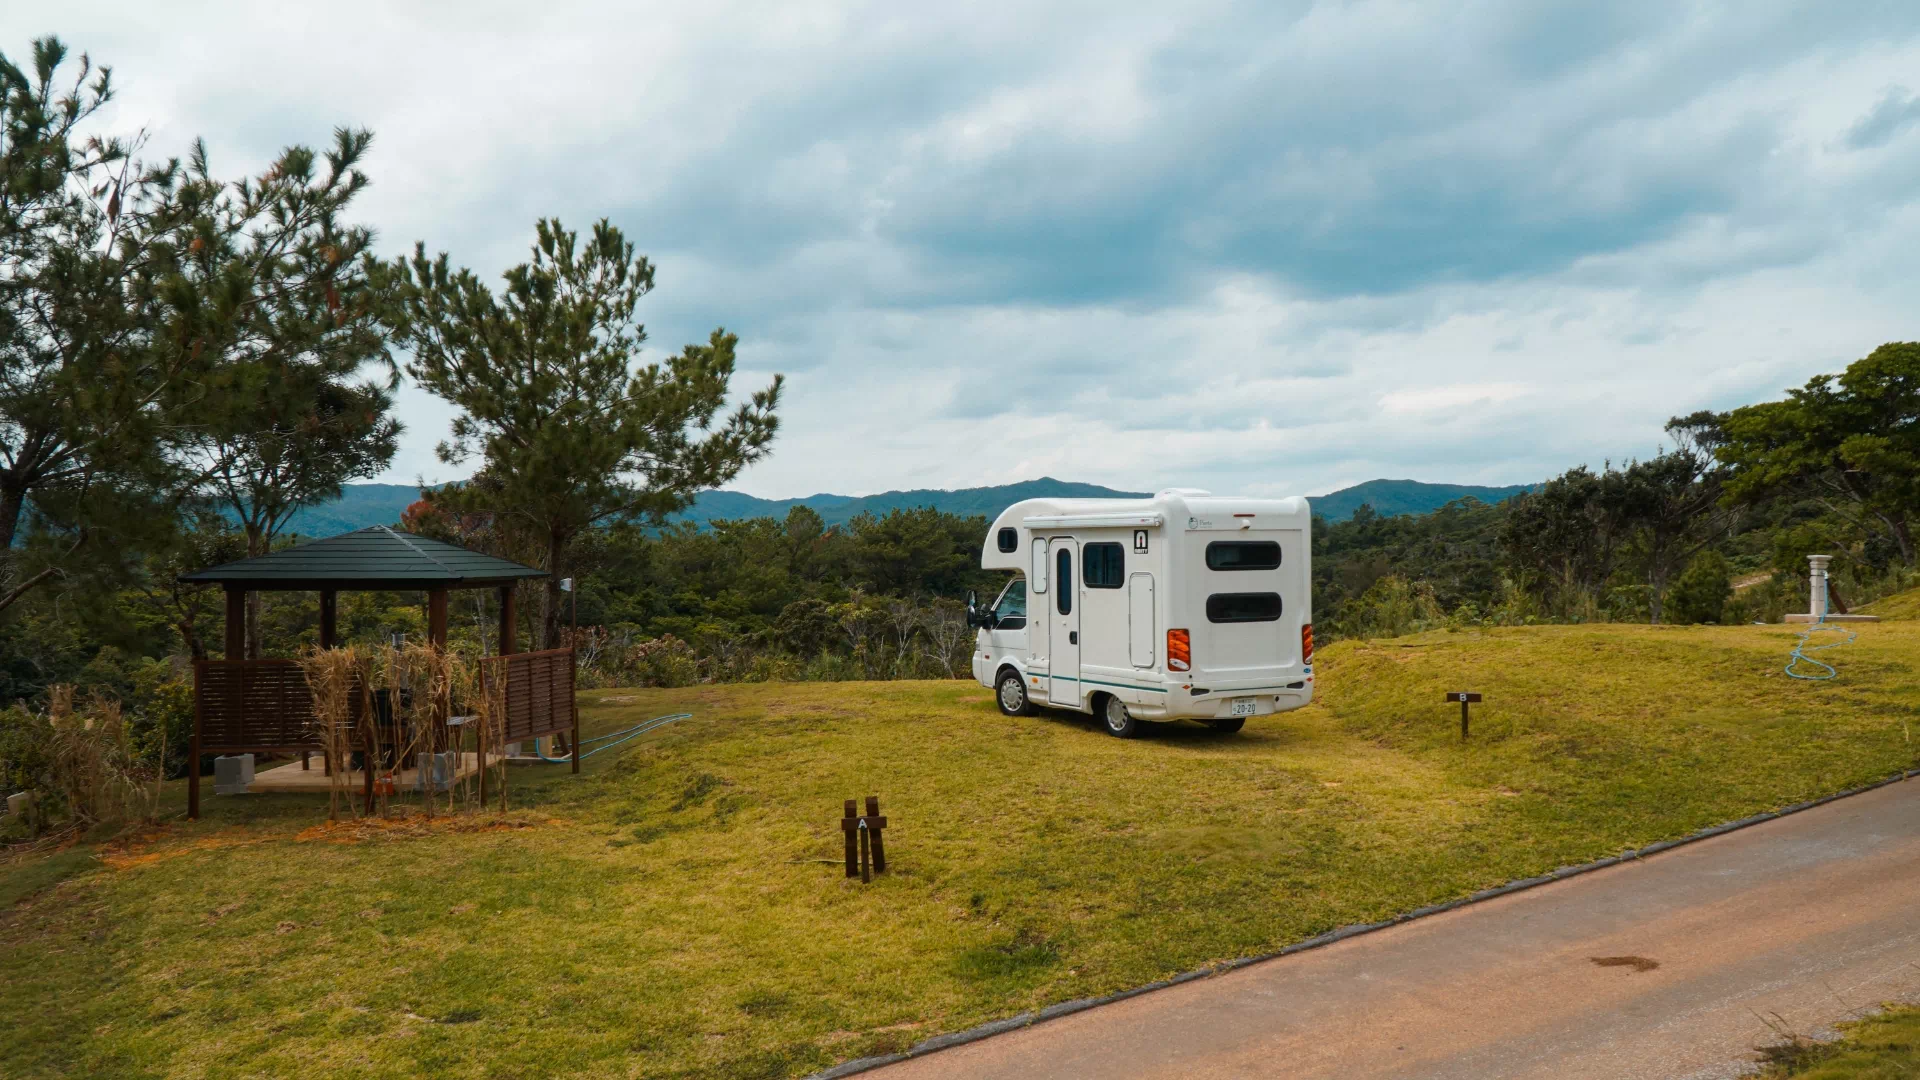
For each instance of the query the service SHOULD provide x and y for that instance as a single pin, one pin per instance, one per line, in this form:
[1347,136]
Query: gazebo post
[509,637]
[329,618]
[437,637]
[193,752]
[233,648]
[236,643]
[329,638]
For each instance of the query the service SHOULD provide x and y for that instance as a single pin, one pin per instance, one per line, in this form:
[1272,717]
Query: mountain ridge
[1391,498]
[361,505]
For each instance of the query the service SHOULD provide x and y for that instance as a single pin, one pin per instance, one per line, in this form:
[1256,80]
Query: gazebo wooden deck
[250,705]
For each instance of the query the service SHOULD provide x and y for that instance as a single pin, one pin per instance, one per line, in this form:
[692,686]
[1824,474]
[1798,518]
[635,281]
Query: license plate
[1240,707]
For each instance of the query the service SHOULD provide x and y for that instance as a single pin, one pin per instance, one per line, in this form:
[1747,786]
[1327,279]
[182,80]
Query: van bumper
[1219,703]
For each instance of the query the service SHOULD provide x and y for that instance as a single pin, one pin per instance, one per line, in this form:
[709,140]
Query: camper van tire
[1012,694]
[1227,725]
[1120,722]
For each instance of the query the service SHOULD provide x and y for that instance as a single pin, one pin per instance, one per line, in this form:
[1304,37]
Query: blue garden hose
[1800,651]
[617,737]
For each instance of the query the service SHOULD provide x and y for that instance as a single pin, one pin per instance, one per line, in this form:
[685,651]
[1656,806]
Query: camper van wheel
[1227,725]
[1120,722]
[1012,694]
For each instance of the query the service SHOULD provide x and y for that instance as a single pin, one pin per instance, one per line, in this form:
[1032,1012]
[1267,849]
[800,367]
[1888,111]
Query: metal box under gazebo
[243,705]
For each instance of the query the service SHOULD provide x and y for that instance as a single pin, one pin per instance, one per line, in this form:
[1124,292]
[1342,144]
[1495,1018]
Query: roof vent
[1184,491]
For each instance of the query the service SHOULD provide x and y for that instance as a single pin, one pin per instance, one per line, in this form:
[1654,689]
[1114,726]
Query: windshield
[1012,603]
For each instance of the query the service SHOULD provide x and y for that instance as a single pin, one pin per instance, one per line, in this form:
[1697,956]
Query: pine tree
[287,420]
[572,430]
[93,377]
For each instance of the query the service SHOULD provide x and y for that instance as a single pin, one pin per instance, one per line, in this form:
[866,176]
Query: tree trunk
[188,635]
[256,545]
[551,599]
[1903,535]
[1657,583]
[13,500]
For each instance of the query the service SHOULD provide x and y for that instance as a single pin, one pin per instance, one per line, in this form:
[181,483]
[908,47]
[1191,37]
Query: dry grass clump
[483,686]
[419,680]
[95,770]
[338,679]
[423,684]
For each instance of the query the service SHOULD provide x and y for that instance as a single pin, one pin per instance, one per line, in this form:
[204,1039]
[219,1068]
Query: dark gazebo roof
[371,558]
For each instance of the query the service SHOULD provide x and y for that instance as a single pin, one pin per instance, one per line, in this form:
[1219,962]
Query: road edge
[1068,1008]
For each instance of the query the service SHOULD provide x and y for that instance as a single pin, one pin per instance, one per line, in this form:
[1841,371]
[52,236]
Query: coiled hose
[616,738]
[1800,651]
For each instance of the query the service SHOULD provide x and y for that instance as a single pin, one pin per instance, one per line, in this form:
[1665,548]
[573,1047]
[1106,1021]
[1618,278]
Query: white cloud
[1450,399]
[1273,248]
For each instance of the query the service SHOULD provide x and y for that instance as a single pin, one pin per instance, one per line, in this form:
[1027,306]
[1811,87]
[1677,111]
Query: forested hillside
[1391,498]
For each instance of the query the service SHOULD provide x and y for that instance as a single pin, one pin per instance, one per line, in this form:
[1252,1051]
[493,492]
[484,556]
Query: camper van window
[1243,607]
[1103,565]
[1243,555]
[1063,596]
[1010,611]
[1009,540]
[1039,584]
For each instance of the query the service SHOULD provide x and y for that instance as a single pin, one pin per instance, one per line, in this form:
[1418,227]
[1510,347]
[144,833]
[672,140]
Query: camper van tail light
[1179,651]
[1306,643]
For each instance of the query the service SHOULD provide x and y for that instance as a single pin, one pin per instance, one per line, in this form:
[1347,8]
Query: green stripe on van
[1128,686]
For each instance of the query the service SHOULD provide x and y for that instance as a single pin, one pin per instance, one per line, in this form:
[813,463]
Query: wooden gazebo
[249,705]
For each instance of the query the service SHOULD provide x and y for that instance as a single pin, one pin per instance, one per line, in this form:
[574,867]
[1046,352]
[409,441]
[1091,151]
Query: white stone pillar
[1817,586]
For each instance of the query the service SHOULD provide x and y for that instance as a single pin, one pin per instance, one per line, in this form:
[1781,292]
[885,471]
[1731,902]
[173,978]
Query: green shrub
[662,661]
[81,763]
[26,751]
[1765,602]
[1390,607]
[1701,592]
[162,720]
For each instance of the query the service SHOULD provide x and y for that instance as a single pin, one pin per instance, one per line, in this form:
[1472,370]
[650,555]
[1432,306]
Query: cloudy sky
[1260,247]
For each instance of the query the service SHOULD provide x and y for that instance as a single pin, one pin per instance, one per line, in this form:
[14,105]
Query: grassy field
[1881,1047]
[680,910]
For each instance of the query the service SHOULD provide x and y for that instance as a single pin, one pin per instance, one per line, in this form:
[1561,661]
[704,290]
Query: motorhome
[1186,605]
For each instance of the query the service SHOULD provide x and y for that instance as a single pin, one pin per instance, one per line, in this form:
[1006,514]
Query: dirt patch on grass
[146,848]
[413,826]
[138,851]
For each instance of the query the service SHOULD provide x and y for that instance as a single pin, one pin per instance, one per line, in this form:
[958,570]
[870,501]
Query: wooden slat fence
[539,691]
[253,706]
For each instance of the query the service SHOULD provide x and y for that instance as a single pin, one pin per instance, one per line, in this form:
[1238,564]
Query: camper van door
[1063,625]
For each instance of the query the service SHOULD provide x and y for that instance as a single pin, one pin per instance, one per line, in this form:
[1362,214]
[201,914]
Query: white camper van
[1185,605]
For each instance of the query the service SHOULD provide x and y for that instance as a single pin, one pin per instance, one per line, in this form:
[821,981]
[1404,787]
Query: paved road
[1807,919]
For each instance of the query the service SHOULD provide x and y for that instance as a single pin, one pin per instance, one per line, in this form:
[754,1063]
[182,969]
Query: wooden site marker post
[866,852]
[1465,698]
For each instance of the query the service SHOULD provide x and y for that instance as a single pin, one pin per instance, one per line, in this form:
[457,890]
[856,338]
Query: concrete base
[232,773]
[435,771]
[1803,617]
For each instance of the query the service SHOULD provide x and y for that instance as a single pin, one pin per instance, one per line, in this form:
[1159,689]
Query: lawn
[680,910]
